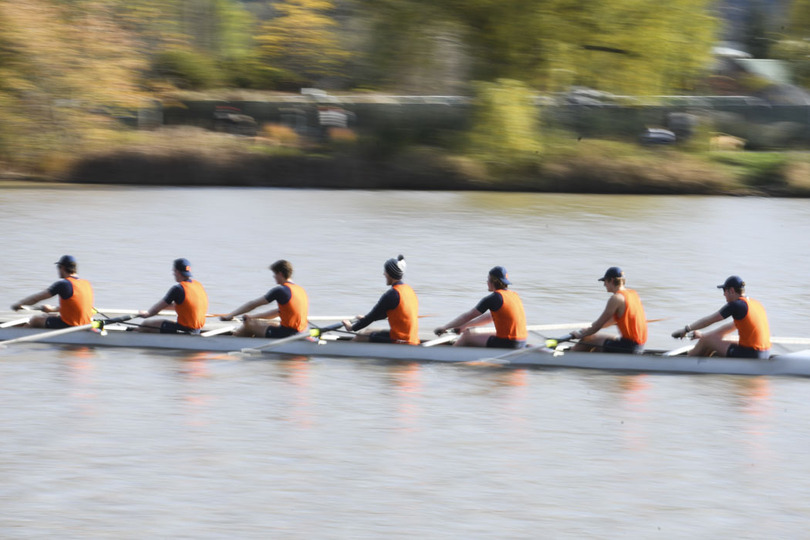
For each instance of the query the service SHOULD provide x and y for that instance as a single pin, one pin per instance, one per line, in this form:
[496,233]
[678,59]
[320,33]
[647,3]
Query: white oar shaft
[790,340]
[165,312]
[45,335]
[439,340]
[560,326]
[15,322]
[219,331]
[277,342]
[680,350]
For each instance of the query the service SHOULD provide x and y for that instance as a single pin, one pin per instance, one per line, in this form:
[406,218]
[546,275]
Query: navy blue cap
[612,273]
[733,282]
[499,272]
[66,260]
[183,266]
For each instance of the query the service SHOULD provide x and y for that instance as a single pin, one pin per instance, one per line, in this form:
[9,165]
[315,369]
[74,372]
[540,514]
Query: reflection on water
[136,443]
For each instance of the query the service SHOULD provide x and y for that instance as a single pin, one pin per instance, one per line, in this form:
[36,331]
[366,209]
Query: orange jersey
[78,309]
[294,314]
[754,331]
[633,323]
[191,312]
[510,319]
[404,319]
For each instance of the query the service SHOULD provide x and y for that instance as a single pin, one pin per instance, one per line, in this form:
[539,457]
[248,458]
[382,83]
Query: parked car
[657,136]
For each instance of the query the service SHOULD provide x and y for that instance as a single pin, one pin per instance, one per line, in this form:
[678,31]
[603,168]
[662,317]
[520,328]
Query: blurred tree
[505,122]
[798,23]
[624,46]
[794,44]
[303,39]
[67,71]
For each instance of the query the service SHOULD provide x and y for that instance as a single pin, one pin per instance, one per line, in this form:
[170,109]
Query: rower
[75,299]
[398,304]
[503,307]
[292,302]
[623,309]
[749,319]
[190,302]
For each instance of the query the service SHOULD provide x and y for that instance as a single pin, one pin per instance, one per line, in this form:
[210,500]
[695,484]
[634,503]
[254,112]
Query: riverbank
[191,157]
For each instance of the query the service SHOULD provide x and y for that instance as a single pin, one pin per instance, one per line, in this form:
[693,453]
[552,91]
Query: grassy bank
[193,157]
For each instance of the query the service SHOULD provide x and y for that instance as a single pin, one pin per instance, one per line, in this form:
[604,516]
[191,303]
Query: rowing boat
[797,363]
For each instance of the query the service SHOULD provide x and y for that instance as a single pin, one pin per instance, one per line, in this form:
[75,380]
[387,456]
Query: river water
[135,443]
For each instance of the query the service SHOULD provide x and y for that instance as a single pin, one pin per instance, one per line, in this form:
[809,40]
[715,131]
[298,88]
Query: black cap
[395,267]
[612,273]
[183,266]
[733,282]
[66,260]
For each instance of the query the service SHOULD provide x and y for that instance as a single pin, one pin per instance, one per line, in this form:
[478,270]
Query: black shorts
[171,327]
[622,345]
[276,332]
[383,336]
[501,343]
[738,351]
[55,323]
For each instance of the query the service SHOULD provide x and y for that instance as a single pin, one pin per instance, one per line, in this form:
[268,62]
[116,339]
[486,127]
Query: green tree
[623,46]
[505,125]
[794,45]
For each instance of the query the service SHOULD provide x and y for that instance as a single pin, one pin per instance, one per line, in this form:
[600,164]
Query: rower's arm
[270,314]
[154,310]
[605,319]
[244,308]
[480,320]
[461,320]
[32,299]
[706,321]
[700,323]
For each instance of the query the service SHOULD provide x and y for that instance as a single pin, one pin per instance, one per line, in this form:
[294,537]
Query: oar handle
[553,342]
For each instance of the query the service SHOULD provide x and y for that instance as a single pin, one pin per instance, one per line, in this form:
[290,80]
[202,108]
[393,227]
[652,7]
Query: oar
[790,340]
[15,322]
[560,326]
[62,331]
[315,332]
[504,359]
[565,326]
[134,312]
[219,331]
[315,319]
[448,337]
[680,350]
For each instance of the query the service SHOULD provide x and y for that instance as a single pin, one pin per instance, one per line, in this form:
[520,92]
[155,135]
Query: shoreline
[664,173]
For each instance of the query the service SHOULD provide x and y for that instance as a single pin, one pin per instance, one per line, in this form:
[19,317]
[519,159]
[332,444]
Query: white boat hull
[797,364]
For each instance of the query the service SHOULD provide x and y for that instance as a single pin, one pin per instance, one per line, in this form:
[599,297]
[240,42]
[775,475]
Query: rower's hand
[47,308]
[226,318]
[440,330]
[680,334]
[577,334]
[16,307]
[143,314]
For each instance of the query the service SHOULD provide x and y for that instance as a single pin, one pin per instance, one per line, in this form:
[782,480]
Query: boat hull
[797,364]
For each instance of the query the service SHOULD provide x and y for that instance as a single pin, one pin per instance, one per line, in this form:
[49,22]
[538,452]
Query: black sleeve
[63,288]
[738,309]
[492,302]
[388,301]
[176,295]
[281,294]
